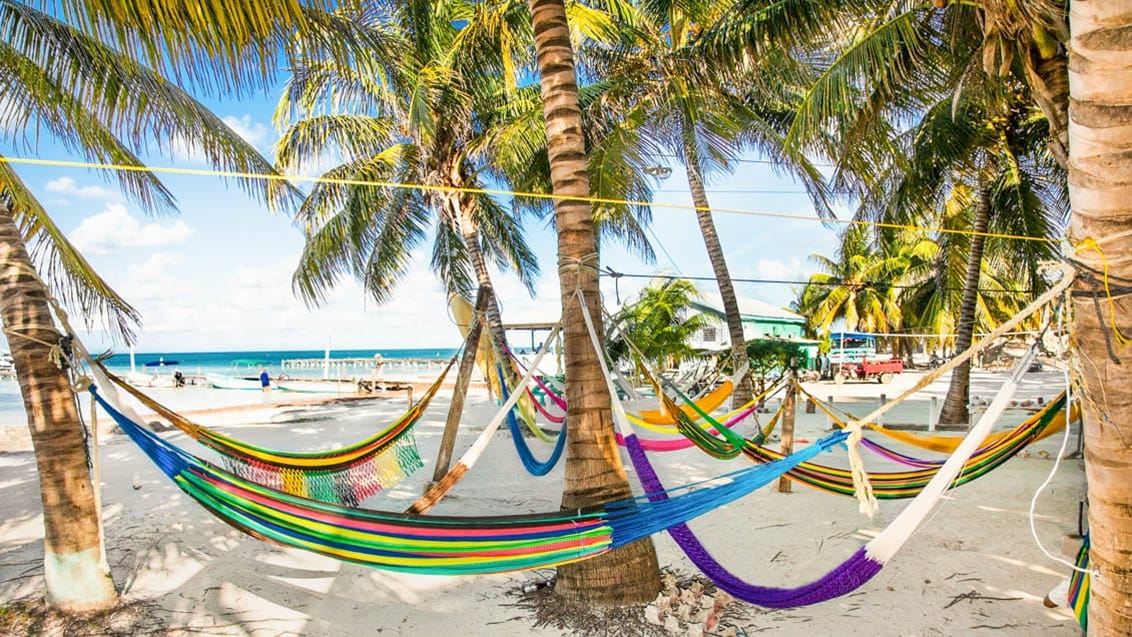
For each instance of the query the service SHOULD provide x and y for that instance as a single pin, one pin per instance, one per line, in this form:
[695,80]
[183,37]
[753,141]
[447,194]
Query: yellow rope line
[1091,244]
[207,172]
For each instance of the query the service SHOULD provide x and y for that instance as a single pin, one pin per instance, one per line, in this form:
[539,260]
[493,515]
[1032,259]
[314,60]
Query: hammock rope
[346,475]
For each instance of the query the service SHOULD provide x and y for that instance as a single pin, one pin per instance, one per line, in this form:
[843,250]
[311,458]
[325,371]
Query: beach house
[761,320]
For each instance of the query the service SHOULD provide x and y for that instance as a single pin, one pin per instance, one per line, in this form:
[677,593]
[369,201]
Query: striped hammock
[533,465]
[941,444]
[347,475]
[886,485]
[1078,594]
[435,544]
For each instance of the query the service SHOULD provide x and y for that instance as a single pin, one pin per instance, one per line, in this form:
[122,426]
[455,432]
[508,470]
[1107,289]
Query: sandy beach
[972,568]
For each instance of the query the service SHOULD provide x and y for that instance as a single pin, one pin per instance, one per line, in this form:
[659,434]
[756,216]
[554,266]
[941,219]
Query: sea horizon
[397,364]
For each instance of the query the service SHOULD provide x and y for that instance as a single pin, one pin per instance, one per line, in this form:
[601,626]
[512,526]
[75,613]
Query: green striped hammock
[347,475]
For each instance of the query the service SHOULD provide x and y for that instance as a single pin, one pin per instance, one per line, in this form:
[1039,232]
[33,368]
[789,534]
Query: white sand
[971,568]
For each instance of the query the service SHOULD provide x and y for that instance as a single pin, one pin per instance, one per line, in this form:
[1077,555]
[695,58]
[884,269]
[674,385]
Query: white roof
[748,308]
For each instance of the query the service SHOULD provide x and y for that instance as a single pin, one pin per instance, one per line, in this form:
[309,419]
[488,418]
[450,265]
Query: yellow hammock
[707,403]
[944,444]
[489,363]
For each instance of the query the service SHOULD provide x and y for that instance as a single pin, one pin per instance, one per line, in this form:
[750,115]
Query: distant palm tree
[630,574]
[408,114]
[660,323]
[81,72]
[854,288]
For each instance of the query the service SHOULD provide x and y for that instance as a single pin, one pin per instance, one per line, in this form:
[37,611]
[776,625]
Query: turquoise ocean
[399,364]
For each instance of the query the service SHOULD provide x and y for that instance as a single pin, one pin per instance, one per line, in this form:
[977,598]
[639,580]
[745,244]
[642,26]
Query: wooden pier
[366,364]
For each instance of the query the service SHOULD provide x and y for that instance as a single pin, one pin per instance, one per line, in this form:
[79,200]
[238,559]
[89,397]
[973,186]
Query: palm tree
[991,141]
[913,82]
[1099,169]
[853,289]
[659,323]
[409,115]
[706,115]
[78,71]
[594,473]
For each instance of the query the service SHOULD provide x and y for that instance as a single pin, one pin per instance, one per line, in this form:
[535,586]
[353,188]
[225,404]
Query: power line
[502,192]
[880,285]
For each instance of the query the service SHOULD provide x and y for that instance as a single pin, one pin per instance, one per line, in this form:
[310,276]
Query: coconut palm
[1099,169]
[594,473]
[911,82]
[706,115]
[659,323]
[988,140]
[81,72]
[854,288]
[412,120]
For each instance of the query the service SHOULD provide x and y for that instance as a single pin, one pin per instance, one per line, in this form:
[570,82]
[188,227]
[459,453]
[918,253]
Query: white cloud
[158,278]
[115,229]
[254,133]
[67,186]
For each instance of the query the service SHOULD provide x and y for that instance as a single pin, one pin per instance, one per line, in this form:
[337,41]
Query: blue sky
[217,276]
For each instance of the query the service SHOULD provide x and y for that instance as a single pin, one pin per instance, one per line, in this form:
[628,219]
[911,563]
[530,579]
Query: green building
[761,320]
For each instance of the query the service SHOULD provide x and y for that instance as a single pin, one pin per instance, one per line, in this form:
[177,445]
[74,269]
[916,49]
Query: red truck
[881,371]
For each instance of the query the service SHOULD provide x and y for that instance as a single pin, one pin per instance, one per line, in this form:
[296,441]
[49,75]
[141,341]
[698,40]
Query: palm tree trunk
[1099,170]
[742,394]
[954,410]
[594,473]
[74,561]
[471,235]
[462,209]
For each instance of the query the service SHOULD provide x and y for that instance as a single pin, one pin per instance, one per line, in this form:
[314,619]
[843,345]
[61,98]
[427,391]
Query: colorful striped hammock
[694,409]
[1078,594]
[442,545]
[885,485]
[533,465]
[930,442]
[347,475]
[888,484]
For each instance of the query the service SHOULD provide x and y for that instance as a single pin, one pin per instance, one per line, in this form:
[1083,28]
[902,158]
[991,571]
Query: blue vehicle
[851,347]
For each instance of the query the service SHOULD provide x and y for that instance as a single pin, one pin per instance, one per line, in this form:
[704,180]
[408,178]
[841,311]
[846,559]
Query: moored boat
[220,381]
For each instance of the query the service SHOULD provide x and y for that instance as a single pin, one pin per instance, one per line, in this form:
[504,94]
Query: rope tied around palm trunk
[577,265]
[1101,282]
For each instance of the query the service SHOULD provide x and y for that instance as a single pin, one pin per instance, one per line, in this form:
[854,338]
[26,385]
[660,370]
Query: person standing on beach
[264,380]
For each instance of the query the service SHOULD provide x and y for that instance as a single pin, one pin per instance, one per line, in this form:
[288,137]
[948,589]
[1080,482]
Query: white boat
[141,379]
[314,386]
[220,381]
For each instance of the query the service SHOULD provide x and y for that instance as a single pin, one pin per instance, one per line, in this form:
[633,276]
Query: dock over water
[366,364]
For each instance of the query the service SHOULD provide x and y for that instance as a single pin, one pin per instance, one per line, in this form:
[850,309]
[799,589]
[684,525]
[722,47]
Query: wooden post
[933,413]
[880,418]
[463,377]
[788,406]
